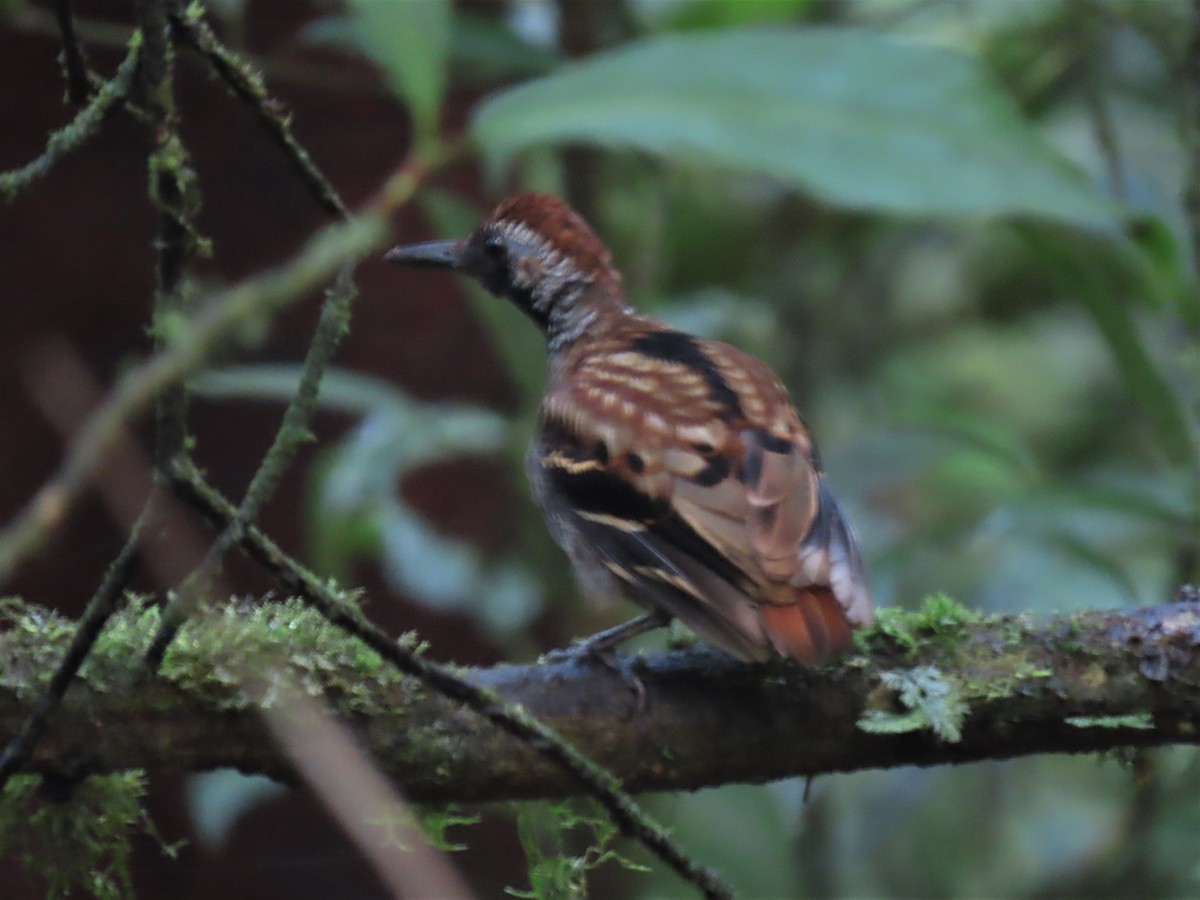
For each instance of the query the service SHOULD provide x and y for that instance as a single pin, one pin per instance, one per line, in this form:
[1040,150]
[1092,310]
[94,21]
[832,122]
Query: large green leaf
[856,117]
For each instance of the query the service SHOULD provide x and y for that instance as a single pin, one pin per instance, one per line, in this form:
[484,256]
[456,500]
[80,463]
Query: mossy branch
[248,86]
[84,126]
[1092,682]
[541,740]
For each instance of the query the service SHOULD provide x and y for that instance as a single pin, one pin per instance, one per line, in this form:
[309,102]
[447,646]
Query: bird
[674,471]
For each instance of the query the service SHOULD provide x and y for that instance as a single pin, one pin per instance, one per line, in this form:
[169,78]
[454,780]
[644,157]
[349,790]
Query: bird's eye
[494,247]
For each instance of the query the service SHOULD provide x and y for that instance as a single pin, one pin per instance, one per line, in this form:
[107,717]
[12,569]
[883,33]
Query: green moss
[80,843]
[36,637]
[320,656]
[940,617]
[943,616]
[436,822]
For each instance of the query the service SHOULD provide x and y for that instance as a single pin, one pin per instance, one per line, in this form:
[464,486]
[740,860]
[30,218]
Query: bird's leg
[602,648]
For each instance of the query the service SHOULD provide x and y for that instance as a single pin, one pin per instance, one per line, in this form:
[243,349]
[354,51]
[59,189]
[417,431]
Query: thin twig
[293,431]
[320,76]
[248,86]
[172,190]
[598,782]
[75,134]
[74,62]
[100,608]
[170,179]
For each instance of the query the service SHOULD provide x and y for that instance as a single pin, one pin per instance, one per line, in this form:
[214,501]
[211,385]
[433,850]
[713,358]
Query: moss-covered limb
[76,133]
[225,318]
[1090,682]
[247,85]
[174,192]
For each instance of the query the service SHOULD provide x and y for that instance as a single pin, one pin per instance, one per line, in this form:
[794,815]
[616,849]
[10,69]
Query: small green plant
[554,872]
[80,843]
[929,699]
[399,824]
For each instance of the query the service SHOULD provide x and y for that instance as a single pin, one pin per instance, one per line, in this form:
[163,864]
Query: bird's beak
[431,255]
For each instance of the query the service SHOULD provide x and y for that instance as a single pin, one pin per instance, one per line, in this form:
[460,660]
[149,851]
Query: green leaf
[727,13]
[483,50]
[410,40]
[858,118]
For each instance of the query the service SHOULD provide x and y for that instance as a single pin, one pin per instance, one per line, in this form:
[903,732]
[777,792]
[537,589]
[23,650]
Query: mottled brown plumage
[672,470]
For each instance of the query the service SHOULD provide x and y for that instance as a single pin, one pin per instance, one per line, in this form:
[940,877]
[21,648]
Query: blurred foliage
[217,799]
[356,508]
[410,41]
[856,117]
[956,230]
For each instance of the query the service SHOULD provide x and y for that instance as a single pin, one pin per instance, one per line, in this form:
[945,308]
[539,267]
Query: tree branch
[247,85]
[1004,687]
[74,61]
[84,126]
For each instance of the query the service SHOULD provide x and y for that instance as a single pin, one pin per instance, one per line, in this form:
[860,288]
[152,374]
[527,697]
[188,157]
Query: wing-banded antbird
[672,470]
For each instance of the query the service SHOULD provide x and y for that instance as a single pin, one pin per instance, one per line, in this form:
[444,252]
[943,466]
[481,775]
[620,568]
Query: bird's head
[536,251]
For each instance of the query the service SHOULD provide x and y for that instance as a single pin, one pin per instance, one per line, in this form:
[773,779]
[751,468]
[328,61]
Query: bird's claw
[603,654]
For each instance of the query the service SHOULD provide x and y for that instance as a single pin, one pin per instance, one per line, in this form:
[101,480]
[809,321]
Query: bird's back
[680,466]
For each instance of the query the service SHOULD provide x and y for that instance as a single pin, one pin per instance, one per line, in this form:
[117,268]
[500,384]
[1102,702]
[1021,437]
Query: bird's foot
[601,649]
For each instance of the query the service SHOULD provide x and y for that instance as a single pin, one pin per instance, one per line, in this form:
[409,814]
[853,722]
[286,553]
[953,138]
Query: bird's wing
[690,474]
